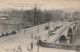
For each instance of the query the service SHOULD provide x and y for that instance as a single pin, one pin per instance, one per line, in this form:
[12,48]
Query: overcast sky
[43,4]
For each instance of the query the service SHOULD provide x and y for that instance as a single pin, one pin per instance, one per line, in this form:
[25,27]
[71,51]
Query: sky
[42,4]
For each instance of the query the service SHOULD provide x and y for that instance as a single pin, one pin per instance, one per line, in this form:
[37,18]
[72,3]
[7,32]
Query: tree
[28,16]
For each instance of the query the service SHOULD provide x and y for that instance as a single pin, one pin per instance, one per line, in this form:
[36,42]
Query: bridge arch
[70,34]
[62,39]
[70,31]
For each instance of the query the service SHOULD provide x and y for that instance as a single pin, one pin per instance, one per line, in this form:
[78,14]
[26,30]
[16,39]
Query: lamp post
[38,22]
[48,23]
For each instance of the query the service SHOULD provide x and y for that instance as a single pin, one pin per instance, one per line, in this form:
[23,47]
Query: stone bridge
[63,34]
[66,33]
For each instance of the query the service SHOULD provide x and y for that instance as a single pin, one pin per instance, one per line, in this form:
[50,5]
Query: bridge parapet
[60,45]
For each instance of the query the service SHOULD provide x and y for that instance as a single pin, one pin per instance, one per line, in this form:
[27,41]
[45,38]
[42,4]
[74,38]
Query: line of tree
[37,16]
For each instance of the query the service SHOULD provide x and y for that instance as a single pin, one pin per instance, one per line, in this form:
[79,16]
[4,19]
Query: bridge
[65,31]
